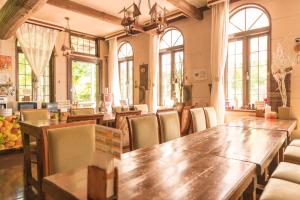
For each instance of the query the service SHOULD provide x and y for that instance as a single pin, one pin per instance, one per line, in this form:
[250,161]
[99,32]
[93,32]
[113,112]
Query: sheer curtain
[219,44]
[37,44]
[113,69]
[154,67]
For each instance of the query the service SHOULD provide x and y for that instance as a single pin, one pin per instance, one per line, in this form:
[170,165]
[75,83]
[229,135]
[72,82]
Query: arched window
[248,56]
[125,57]
[171,67]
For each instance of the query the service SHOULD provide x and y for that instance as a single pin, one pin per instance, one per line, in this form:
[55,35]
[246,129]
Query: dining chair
[185,121]
[35,114]
[165,110]
[82,111]
[87,117]
[169,125]
[143,131]
[198,119]
[70,147]
[142,107]
[121,124]
[211,117]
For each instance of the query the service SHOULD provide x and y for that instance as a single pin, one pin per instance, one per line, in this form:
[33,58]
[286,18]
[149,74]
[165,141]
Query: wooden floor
[11,176]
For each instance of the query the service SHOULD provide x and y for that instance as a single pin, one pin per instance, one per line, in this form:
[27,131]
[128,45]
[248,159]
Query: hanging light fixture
[66,49]
[158,17]
[157,13]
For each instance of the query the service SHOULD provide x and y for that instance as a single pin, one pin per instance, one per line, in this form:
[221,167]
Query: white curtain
[113,71]
[154,67]
[37,44]
[219,44]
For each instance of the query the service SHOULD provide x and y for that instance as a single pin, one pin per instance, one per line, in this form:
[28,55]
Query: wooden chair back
[82,111]
[169,125]
[143,131]
[185,121]
[121,124]
[77,118]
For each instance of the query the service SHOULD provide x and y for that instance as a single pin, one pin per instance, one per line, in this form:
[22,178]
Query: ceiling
[94,26]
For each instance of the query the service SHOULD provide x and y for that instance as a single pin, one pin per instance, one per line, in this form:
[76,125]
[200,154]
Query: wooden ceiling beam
[85,10]
[187,8]
[14,13]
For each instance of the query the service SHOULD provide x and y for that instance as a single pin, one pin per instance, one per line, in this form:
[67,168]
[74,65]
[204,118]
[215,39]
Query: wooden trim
[44,24]
[85,10]
[14,13]
[187,9]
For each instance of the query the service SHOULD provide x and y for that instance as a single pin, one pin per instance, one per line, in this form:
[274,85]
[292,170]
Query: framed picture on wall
[6,63]
[200,74]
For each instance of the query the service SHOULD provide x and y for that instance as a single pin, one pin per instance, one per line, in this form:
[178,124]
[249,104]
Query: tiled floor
[11,176]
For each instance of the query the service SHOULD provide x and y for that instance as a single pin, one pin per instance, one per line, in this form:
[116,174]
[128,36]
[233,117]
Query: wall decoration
[143,88]
[5,63]
[200,74]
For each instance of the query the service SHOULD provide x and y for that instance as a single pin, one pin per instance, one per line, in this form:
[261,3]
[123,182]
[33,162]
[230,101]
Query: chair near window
[169,125]
[82,111]
[198,119]
[211,117]
[185,122]
[35,114]
[142,107]
[121,124]
[143,131]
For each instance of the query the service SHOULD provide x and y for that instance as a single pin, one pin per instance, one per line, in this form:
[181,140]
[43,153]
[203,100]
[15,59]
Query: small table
[270,124]
[159,174]
[38,130]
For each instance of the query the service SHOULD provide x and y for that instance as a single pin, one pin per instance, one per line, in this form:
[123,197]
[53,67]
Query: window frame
[245,37]
[171,50]
[88,37]
[127,59]
[51,75]
[96,61]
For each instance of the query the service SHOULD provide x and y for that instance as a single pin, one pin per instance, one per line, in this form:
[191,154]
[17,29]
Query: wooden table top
[257,146]
[262,123]
[164,172]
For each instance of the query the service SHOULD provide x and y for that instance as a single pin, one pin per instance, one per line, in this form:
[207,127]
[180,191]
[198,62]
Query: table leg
[250,193]
[27,163]
[274,163]
[40,169]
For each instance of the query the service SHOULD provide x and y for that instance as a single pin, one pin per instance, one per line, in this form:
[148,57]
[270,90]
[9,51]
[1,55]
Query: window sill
[240,110]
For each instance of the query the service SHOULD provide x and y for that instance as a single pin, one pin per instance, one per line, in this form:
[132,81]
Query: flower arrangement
[283,65]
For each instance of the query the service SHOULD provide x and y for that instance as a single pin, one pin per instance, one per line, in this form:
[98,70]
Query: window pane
[235,74]
[84,82]
[83,45]
[166,79]
[130,82]
[258,69]
[178,77]
[123,80]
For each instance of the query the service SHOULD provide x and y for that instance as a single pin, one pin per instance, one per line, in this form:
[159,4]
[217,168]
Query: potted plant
[283,65]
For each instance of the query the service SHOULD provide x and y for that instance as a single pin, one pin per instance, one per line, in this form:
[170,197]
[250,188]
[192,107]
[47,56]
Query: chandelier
[67,51]
[131,14]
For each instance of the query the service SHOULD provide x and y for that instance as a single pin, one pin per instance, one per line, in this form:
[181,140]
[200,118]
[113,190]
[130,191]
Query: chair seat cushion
[287,171]
[278,189]
[295,143]
[292,154]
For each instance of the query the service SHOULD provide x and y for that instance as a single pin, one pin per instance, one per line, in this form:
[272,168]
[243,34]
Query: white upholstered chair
[198,119]
[142,107]
[169,125]
[211,117]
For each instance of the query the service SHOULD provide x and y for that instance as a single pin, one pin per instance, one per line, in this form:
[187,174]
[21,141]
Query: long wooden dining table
[218,163]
